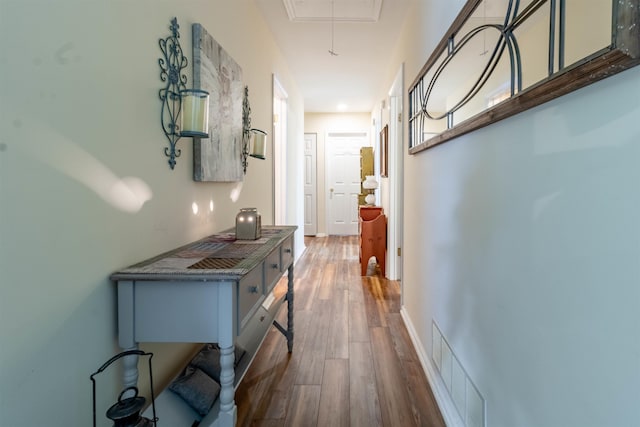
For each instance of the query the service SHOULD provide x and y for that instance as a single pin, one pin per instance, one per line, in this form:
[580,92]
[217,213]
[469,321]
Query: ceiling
[363,33]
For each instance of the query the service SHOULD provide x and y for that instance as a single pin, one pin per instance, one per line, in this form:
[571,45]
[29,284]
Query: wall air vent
[463,392]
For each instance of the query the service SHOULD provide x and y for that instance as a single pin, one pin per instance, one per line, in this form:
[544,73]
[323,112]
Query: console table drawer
[287,254]
[273,270]
[250,295]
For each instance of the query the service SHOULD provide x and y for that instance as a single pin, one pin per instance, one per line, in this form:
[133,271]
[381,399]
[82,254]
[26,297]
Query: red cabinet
[373,237]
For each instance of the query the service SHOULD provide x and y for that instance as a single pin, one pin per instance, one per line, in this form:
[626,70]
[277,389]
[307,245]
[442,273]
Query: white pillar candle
[258,144]
[195,113]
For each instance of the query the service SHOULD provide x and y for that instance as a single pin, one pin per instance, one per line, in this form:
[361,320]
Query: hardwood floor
[353,363]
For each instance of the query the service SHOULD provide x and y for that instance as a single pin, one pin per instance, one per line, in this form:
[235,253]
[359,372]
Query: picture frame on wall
[384,151]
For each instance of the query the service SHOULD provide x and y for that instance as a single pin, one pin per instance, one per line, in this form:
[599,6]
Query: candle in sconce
[195,113]
[259,144]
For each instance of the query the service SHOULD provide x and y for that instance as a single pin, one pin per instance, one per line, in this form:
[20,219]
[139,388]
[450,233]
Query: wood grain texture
[217,158]
[338,340]
[364,405]
[353,363]
[392,391]
[304,406]
[335,391]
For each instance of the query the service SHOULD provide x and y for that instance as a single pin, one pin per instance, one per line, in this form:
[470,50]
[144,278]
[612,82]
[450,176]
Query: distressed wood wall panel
[218,158]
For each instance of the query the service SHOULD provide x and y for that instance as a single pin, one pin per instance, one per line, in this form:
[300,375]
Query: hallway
[352,364]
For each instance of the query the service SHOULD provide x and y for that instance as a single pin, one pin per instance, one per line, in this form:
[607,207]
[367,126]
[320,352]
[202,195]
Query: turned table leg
[290,309]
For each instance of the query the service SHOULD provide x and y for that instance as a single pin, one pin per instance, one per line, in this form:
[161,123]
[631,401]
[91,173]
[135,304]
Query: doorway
[396,184]
[343,180]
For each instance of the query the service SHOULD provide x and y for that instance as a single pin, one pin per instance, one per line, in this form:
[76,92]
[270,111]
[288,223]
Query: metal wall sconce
[258,145]
[185,112]
[254,141]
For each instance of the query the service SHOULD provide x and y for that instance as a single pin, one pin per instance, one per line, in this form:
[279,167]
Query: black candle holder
[190,121]
[126,411]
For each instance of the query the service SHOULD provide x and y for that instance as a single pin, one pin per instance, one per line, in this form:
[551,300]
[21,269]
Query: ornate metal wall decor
[246,129]
[171,65]
[253,140]
[176,121]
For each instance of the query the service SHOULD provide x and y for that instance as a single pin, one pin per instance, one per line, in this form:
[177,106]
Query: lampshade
[258,147]
[370,183]
[194,116]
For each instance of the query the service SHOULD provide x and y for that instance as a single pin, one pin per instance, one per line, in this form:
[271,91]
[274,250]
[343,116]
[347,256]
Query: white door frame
[396,168]
[279,153]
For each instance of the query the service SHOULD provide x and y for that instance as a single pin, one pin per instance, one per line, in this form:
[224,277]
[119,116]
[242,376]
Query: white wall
[522,244]
[79,113]
[321,124]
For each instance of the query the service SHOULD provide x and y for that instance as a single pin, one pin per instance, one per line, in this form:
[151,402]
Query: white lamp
[370,184]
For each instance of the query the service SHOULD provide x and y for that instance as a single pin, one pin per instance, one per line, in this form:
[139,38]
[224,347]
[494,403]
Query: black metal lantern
[126,411]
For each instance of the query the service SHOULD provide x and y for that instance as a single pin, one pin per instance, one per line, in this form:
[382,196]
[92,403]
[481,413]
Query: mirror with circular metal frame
[501,57]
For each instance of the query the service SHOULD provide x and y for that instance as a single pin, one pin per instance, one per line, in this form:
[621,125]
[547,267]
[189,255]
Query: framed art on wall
[218,158]
[384,151]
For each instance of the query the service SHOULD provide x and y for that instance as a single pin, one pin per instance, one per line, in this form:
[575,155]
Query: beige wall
[521,245]
[321,124]
[79,113]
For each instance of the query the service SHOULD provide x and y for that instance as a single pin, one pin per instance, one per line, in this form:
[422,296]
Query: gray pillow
[196,388]
[208,360]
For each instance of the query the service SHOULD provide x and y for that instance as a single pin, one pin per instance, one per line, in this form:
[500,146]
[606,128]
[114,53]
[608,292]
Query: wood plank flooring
[353,363]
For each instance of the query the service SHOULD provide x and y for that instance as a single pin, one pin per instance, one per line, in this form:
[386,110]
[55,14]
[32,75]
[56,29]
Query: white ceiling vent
[355,11]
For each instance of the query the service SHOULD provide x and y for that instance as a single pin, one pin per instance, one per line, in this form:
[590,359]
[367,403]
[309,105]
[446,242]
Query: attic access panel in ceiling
[359,11]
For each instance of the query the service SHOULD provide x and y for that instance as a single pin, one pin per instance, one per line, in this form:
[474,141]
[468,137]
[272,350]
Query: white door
[310,198]
[343,181]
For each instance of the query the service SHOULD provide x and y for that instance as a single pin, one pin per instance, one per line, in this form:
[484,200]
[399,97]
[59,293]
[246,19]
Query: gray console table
[215,290]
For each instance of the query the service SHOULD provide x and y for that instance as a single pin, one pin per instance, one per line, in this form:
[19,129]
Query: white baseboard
[444,401]
[321,235]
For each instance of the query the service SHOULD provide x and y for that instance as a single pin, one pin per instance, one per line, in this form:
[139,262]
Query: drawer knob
[253,289]
[275,266]
[287,250]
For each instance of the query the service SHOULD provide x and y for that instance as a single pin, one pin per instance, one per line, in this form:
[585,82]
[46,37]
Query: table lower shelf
[173,411]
